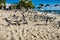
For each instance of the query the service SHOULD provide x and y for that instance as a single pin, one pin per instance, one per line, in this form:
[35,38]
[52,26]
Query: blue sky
[12,1]
[37,2]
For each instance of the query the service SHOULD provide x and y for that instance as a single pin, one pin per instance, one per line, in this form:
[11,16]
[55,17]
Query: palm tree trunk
[0,5]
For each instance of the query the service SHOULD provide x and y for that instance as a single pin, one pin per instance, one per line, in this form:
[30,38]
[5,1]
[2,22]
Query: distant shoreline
[48,11]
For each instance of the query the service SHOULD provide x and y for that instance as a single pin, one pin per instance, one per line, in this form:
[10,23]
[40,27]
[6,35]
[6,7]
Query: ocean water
[51,11]
[54,11]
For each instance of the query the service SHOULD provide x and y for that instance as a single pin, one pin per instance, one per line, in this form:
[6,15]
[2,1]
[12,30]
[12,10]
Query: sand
[30,29]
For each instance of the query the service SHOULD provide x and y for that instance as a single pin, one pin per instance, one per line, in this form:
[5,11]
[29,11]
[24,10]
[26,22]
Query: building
[8,6]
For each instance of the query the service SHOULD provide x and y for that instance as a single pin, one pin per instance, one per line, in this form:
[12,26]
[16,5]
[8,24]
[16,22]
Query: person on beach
[47,19]
[45,12]
[15,10]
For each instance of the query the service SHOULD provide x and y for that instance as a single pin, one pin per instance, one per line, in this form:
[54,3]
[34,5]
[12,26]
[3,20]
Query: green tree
[0,4]
[4,2]
[26,4]
[13,6]
[30,4]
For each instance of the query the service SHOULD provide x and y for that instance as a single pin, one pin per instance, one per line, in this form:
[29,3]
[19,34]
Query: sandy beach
[29,25]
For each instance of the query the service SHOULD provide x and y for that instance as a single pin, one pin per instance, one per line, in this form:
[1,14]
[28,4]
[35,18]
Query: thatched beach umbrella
[47,5]
[40,7]
[56,5]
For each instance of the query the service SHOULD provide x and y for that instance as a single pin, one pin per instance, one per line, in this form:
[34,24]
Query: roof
[7,4]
